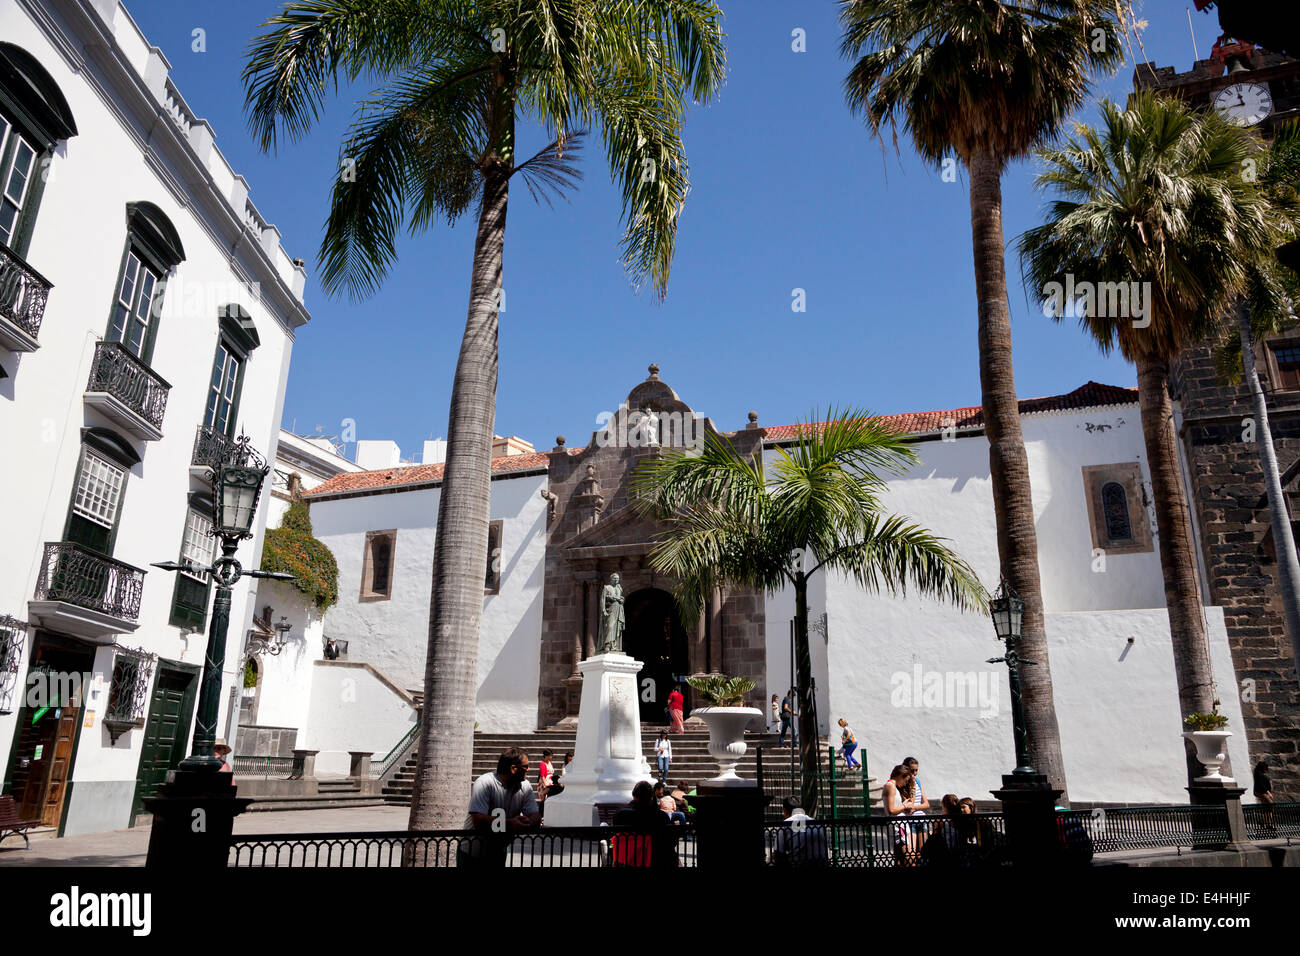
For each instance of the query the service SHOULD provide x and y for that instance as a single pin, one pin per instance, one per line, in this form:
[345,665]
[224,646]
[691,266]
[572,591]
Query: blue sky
[788,191]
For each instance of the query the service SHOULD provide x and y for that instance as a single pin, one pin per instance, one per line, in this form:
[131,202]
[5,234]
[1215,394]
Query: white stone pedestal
[607,757]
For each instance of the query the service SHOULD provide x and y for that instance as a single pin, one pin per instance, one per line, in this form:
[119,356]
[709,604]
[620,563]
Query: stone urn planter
[1212,751]
[727,741]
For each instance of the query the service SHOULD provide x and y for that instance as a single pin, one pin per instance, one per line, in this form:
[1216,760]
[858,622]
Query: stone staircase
[332,794]
[691,761]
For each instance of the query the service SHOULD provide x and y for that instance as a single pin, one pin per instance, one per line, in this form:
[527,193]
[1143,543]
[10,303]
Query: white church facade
[910,675]
[147,317]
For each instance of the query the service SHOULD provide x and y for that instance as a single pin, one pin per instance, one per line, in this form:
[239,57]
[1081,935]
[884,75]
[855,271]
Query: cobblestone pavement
[129,847]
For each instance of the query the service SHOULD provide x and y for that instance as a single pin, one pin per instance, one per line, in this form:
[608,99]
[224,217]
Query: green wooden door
[166,731]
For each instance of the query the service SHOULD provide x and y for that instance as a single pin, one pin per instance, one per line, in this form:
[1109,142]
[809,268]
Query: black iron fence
[77,575]
[566,847]
[117,372]
[1272,821]
[1141,828]
[23,293]
[966,841]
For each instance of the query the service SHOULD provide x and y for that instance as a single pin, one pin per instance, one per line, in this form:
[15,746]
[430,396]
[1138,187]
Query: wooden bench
[9,822]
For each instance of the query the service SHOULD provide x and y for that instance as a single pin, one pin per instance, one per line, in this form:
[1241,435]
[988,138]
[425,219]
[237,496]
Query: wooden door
[167,730]
[66,721]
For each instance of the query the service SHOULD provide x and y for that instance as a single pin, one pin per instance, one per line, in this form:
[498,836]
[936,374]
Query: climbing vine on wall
[291,548]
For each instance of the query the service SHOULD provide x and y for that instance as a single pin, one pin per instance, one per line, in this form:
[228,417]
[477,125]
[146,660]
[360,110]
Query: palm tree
[456,79]
[731,523]
[1155,199]
[985,82]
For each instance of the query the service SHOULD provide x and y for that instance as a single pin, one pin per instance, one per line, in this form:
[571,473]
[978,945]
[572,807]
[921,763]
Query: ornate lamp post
[1008,610]
[237,481]
[1028,799]
[196,789]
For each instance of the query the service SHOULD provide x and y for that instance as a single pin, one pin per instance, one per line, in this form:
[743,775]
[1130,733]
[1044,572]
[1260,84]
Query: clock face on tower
[1244,104]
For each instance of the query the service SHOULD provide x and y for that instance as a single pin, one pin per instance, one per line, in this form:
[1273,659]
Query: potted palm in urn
[1211,742]
[726,717]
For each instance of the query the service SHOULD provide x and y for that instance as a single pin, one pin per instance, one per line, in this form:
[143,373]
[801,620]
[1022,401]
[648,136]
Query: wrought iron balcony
[86,593]
[127,391]
[211,448]
[23,294]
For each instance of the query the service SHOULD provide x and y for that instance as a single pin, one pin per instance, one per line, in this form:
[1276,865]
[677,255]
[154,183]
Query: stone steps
[691,761]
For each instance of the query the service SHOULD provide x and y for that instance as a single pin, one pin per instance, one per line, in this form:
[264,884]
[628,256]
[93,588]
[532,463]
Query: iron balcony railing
[77,575]
[23,293]
[211,447]
[122,375]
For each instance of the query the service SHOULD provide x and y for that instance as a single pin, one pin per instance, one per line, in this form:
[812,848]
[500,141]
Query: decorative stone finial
[654,370]
[559,441]
[753,420]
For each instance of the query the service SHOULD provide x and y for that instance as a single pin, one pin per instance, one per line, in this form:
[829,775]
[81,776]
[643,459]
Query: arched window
[1115,513]
[153,249]
[382,563]
[377,565]
[34,117]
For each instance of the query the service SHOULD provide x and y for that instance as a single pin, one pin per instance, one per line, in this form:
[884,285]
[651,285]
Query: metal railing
[122,375]
[967,841]
[1272,821]
[1142,828]
[555,847]
[249,765]
[211,447]
[378,771]
[77,575]
[23,293]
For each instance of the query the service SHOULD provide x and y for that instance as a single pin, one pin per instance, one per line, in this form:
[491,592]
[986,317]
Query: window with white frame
[99,490]
[133,307]
[198,546]
[223,390]
[17,160]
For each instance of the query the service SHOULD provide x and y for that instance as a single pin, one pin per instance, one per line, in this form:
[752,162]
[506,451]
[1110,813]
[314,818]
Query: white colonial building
[147,315]
[910,675]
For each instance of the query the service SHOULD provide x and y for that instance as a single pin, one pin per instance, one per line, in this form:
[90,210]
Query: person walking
[775,725]
[675,704]
[664,753]
[788,714]
[848,744]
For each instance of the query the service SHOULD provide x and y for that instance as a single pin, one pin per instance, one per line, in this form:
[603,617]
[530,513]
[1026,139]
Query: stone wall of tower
[1232,518]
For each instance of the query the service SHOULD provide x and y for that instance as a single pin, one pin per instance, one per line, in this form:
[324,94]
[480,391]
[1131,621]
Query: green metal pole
[206,714]
[835,833]
[866,807]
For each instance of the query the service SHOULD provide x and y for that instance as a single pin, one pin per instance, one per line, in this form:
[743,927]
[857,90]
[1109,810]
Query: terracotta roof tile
[1091,395]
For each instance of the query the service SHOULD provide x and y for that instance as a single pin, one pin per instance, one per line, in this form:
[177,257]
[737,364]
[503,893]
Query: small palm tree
[732,523]
[985,82]
[439,135]
[1155,199]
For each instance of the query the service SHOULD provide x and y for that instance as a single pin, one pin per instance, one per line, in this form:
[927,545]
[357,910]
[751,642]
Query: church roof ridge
[412,477]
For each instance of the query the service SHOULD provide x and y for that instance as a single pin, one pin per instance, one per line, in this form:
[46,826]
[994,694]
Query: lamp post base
[193,818]
[1029,808]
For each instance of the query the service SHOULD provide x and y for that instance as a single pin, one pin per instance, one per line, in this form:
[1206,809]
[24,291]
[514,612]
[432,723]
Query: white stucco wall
[1103,693]
[352,709]
[77,243]
[393,634]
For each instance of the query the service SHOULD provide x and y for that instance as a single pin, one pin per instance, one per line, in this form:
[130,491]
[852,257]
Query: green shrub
[1210,721]
[292,549]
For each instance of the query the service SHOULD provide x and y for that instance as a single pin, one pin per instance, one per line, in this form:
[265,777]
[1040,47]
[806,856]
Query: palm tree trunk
[1288,562]
[440,797]
[1009,466]
[1192,667]
[809,757]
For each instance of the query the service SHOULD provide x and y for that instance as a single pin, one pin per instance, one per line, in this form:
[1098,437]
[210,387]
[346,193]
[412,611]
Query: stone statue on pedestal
[611,618]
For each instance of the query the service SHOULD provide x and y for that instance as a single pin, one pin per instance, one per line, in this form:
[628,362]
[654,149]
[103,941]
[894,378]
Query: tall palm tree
[456,78]
[1155,198]
[985,82]
[731,523]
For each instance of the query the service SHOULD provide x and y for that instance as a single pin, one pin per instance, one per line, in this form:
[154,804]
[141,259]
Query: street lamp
[237,480]
[1008,610]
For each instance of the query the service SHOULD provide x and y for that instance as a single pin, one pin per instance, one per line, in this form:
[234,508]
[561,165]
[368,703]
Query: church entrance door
[654,635]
